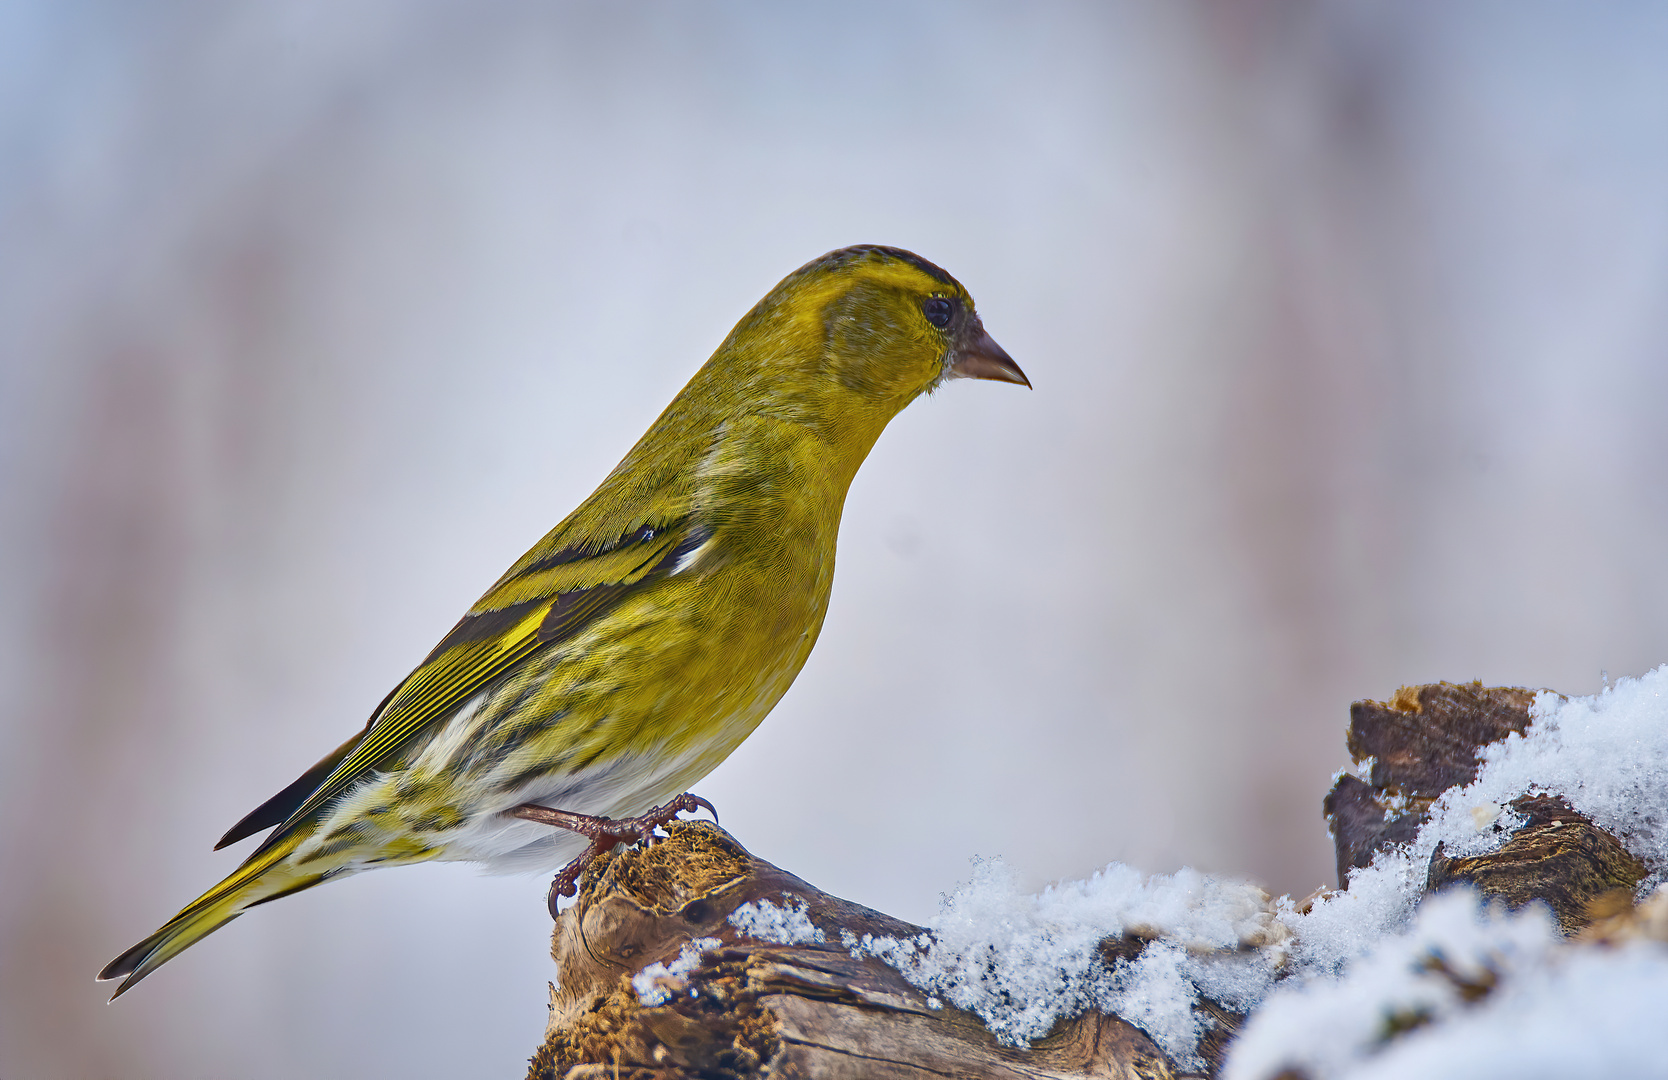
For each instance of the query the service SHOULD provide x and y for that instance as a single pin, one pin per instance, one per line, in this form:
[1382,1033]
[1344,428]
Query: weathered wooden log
[1423,741]
[748,1008]
[726,1006]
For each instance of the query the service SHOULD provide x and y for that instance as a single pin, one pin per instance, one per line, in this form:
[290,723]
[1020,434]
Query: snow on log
[1541,820]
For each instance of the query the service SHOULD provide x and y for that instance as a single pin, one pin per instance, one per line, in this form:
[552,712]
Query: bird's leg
[604,833]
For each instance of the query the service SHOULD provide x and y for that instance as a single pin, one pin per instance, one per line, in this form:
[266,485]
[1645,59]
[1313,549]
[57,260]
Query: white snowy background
[1349,328]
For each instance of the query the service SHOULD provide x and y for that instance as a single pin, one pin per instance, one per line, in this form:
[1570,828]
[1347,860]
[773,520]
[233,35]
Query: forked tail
[266,876]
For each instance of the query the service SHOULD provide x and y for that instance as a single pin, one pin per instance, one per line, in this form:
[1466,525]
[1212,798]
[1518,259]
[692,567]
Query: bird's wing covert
[535,606]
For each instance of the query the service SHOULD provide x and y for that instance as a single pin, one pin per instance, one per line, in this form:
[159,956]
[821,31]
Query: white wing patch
[690,558]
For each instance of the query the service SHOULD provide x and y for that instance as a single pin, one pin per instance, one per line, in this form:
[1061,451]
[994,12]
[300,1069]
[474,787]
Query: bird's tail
[267,875]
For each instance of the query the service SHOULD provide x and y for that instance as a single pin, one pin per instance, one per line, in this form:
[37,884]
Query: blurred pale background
[1349,332]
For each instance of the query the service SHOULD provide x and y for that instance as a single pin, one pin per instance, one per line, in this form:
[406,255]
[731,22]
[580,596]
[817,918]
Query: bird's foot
[604,833]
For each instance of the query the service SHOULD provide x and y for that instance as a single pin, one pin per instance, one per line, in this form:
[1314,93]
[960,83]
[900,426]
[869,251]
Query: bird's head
[854,336]
[814,372]
[893,324]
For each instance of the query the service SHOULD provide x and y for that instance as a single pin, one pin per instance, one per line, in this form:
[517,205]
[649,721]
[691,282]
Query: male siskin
[637,644]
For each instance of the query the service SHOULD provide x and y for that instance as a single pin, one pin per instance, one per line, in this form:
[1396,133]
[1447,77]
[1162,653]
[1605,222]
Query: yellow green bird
[637,644]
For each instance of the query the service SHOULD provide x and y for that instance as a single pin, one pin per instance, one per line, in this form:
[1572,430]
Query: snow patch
[1020,962]
[786,925]
[1471,991]
[656,983]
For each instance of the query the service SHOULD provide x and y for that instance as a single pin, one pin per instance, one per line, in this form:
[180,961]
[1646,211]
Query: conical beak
[977,356]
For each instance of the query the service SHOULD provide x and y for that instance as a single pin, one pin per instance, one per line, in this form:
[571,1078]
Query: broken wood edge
[1407,752]
[1429,739]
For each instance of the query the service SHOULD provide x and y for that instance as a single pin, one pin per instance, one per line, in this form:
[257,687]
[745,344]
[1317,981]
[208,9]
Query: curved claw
[696,802]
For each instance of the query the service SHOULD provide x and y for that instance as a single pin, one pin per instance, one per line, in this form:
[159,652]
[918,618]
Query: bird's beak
[977,356]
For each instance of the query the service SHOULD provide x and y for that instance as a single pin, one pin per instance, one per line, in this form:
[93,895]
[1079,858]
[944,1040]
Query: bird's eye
[938,311]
